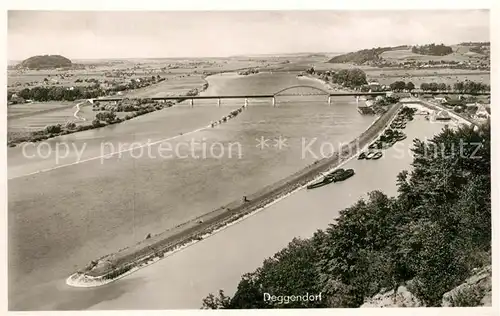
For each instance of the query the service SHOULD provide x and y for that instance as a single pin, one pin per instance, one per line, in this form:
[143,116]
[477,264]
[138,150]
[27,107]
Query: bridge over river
[297,90]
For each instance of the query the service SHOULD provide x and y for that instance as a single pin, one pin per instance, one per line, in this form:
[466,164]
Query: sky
[162,34]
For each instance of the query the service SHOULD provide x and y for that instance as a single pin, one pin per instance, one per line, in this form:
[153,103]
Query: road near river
[62,218]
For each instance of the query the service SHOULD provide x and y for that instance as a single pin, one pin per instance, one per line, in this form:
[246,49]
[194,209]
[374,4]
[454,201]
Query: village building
[442,116]
[374,86]
[15,99]
[440,98]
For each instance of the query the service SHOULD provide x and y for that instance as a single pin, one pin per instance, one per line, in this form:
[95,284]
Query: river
[71,211]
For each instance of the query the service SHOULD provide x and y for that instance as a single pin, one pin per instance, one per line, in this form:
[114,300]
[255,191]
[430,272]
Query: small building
[374,86]
[443,116]
[440,98]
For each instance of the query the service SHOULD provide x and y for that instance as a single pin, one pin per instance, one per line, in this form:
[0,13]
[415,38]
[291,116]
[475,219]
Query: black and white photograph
[249,159]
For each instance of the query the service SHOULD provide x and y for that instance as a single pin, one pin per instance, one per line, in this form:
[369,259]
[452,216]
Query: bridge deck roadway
[263,96]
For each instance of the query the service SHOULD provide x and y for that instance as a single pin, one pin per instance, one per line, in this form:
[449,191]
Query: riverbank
[126,261]
[329,85]
[419,103]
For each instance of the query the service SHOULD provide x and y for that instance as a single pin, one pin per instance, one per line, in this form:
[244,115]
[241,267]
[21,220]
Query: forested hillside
[434,233]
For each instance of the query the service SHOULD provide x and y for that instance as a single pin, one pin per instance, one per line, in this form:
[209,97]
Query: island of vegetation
[429,241]
[45,62]
[248,72]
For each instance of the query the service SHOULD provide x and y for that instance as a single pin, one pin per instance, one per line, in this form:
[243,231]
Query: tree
[220,302]
[96,123]
[424,86]
[398,86]
[70,125]
[433,86]
[356,77]
[458,86]
[53,129]
[410,86]
[107,117]
[350,77]
[442,86]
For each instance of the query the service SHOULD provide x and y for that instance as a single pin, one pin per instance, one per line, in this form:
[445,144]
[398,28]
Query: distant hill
[45,62]
[363,56]
[473,55]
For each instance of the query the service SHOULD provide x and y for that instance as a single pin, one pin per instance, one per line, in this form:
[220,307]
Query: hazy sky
[82,35]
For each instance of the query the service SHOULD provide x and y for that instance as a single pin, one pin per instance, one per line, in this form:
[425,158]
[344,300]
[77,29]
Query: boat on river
[401,137]
[335,173]
[377,155]
[370,155]
[321,183]
[345,175]
[335,176]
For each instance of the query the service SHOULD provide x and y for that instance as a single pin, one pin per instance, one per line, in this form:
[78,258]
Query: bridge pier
[329,100]
[274,101]
[246,102]
[191,102]
[218,102]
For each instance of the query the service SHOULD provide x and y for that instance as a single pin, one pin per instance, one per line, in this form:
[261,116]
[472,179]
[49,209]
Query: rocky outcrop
[402,297]
[475,291]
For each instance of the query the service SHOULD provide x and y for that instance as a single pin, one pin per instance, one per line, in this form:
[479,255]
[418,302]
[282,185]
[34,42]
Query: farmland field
[174,85]
[417,77]
[33,119]
[29,109]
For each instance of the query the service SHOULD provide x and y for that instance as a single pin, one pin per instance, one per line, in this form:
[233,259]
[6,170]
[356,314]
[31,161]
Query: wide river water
[71,212]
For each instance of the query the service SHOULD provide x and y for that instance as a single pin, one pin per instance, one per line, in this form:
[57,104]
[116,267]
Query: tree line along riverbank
[429,239]
[113,266]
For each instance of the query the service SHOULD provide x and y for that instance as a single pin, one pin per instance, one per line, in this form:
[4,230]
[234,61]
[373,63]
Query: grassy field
[174,85]
[418,79]
[29,109]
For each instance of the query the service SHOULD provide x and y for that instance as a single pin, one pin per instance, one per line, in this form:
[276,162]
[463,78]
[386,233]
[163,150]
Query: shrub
[70,125]
[53,129]
[96,123]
